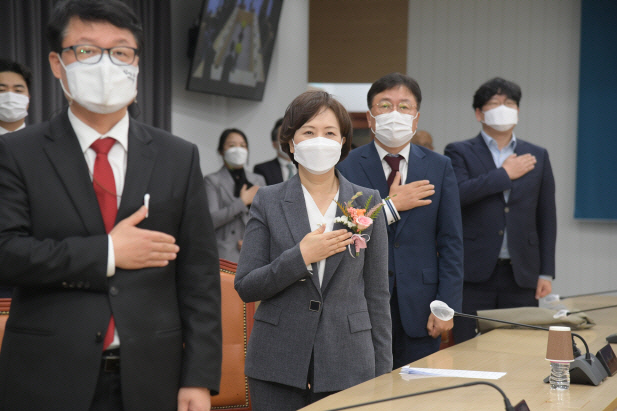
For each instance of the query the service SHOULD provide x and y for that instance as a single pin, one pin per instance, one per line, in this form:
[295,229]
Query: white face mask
[13,106]
[318,155]
[103,87]
[236,156]
[501,118]
[394,129]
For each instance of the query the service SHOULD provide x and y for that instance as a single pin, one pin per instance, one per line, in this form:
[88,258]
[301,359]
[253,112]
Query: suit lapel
[518,150]
[65,154]
[371,165]
[140,162]
[332,262]
[276,170]
[296,215]
[417,167]
[483,153]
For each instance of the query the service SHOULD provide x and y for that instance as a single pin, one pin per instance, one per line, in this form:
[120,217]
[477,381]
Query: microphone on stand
[585,369]
[521,406]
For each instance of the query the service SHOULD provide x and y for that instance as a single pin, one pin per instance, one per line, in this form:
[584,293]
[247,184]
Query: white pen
[147,204]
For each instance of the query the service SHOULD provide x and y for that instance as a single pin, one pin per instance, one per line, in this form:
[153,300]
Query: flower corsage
[358,220]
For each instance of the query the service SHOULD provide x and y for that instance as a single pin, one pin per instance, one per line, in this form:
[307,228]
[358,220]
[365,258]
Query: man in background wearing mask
[423,138]
[425,255]
[117,302]
[279,169]
[507,194]
[15,82]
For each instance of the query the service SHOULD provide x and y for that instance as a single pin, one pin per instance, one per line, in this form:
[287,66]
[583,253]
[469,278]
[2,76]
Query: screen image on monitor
[234,47]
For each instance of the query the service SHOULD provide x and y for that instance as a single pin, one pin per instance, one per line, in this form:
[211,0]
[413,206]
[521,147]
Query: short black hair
[15,67]
[274,134]
[227,132]
[497,86]
[394,80]
[115,12]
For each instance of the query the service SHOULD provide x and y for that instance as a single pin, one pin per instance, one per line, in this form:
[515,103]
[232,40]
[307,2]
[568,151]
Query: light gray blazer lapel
[332,262]
[296,215]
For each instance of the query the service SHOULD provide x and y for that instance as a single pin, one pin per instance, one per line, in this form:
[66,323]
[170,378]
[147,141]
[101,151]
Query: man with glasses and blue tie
[106,236]
[425,259]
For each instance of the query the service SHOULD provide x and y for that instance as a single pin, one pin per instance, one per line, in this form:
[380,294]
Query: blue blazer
[529,215]
[425,252]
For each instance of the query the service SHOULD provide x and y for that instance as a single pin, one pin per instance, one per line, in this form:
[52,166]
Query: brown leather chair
[237,324]
[5,305]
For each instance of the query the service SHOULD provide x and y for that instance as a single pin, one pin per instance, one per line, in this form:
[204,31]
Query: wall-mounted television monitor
[234,47]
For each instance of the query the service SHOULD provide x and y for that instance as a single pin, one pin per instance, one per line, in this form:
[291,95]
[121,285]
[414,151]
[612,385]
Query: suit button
[65,284]
[113,291]
[71,285]
[500,232]
[233,231]
[390,273]
[99,337]
[80,284]
[87,285]
[507,209]
[396,245]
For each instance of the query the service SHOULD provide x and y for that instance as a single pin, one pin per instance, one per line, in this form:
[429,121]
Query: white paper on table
[436,372]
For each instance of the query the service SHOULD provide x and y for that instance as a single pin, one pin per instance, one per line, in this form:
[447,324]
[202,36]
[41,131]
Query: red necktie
[393,162]
[105,189]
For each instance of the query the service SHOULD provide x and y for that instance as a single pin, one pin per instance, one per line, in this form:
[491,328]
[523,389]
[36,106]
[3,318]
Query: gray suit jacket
[229,214]
[345,324]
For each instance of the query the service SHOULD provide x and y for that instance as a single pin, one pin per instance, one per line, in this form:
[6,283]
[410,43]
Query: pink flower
[364,222]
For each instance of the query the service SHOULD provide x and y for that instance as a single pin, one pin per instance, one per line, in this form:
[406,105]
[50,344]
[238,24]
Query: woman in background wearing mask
[323,324]
[230,193]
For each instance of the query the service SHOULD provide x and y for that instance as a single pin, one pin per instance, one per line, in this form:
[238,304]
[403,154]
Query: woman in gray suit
[230,193]
[323,324]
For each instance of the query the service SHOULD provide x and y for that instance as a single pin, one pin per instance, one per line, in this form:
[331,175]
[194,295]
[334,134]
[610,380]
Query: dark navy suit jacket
[529,215]
[425,252]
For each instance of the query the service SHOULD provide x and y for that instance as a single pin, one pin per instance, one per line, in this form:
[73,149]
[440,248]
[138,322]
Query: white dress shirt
[392,214]
[316,219]
[5,131]
[117,157]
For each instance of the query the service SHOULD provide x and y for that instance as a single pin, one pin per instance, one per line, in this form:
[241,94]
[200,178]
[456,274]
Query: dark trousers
[272,396]
[406,349]
[108,394]
[500,291]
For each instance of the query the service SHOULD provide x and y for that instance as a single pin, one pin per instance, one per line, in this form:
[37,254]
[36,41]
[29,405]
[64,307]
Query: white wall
[201,118]
[454,46]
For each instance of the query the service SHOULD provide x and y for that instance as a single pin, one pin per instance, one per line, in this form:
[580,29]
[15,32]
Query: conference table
[520,353]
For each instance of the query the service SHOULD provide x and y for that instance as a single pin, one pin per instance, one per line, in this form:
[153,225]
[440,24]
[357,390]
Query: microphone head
[561,314]
[441,310]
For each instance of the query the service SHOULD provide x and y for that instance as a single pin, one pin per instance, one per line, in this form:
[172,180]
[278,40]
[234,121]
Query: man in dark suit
[507,194]
[425,255]
[117,303]
[279,169]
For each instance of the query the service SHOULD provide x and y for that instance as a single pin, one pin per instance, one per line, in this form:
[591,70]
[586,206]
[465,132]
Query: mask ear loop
[68,95]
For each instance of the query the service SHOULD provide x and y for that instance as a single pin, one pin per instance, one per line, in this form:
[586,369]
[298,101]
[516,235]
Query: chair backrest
[5,305]
[237,319]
